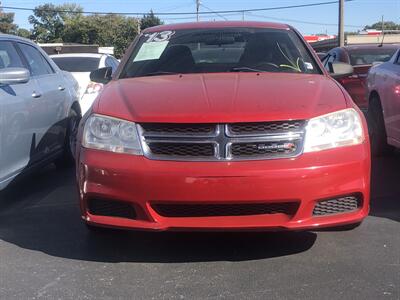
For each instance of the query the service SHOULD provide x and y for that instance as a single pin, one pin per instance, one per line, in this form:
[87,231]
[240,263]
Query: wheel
[68,156]
[377,129]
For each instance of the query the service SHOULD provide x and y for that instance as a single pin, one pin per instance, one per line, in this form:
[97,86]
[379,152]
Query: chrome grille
[222,142]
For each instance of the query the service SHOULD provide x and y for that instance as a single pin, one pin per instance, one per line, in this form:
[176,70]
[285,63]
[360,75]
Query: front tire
[377,129]
[68,156]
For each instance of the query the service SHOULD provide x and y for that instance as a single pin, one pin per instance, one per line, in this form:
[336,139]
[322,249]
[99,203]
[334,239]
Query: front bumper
[305,179]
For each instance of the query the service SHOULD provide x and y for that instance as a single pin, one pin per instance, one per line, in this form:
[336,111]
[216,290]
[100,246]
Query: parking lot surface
[47,252]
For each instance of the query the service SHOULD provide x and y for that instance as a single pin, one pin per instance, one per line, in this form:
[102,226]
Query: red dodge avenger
[223,126]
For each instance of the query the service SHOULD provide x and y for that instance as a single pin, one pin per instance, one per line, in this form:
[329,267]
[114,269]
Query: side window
[9,57]
[325,60]
[115,61]
[37,63]
[110,63]
[398,58]
[329,59]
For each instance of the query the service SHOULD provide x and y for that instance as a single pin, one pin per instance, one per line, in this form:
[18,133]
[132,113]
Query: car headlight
[337,129]
[111,134]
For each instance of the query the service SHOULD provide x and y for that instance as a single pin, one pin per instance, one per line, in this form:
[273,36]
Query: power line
[218,14]
[179,13]
[302,22]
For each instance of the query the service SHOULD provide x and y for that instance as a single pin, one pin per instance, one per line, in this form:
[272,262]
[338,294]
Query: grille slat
[166,129]
[337,205]
[265,127]
[182,149]
[219,210]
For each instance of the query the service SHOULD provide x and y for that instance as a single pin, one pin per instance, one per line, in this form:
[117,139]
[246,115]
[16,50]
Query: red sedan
[361,57]
[223,126]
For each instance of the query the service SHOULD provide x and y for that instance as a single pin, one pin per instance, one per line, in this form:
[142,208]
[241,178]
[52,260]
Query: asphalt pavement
[46,252]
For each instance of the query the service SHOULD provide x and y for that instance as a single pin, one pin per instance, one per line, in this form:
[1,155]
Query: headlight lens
[111,134]
[341,128]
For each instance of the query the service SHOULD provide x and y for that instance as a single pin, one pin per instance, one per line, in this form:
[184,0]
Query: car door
[50,100]
[16,118]
[391,81]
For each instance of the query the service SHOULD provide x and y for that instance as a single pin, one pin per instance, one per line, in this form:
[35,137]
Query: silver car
[39,109]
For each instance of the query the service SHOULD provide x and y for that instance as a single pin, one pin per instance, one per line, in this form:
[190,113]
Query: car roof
[15,38]
[95,55]
[217,24]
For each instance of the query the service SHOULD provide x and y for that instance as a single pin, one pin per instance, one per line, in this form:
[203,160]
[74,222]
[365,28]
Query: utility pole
[341,23]
[197,10]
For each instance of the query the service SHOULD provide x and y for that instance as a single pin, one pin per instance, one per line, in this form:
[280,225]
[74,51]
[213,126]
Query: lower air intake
[111,208]
[219,210]
[337,205]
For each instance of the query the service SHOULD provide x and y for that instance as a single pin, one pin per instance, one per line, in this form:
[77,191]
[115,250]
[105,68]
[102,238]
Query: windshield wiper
[159,73]
[244,69]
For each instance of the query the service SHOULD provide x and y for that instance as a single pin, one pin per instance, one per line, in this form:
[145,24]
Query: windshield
[219,50]
[77,64]
[369,56]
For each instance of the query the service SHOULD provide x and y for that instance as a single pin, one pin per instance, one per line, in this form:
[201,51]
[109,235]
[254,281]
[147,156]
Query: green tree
[7,22]
[150,20]
[388,25]
[22,32]
[48,20]
[105,30]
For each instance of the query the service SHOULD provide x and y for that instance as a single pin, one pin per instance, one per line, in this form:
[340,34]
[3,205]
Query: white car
[80,65]
[39,110]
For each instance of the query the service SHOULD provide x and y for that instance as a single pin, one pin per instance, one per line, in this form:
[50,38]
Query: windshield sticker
[159,36]
[308,65]
[150,51]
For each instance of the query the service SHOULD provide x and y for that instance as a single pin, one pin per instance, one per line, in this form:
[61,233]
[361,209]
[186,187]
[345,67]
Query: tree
[388,25]
[105,30]
[7,22]
[22,32]
[150,20]
[48,20]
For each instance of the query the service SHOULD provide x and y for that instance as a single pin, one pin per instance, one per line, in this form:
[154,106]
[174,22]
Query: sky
[309,20]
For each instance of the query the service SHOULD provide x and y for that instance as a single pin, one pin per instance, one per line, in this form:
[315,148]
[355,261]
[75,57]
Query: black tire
[377,129]
[68,156]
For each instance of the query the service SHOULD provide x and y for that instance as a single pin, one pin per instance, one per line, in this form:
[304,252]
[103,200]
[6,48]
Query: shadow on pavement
[385,187]
[41,213]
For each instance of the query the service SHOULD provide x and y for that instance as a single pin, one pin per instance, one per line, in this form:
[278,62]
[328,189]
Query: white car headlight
[337,129]
[111,134]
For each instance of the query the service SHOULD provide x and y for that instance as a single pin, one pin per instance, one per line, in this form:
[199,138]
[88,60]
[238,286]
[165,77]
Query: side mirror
[14,75]
[102,75]
[339,69]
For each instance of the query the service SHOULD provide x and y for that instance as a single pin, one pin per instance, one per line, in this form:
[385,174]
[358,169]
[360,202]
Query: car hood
[221,97]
